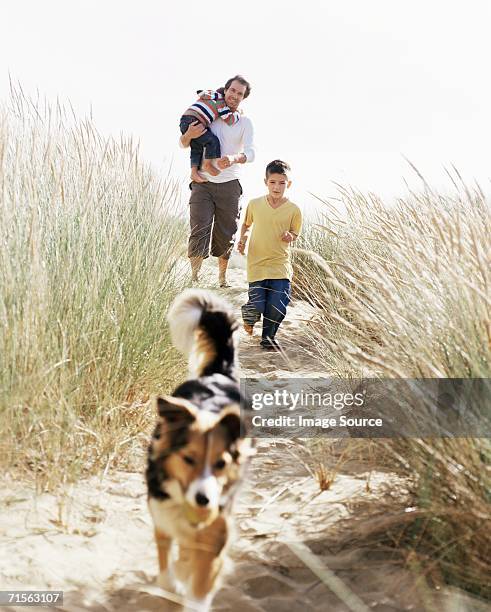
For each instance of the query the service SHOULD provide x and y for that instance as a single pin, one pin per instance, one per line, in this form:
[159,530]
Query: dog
[198,451]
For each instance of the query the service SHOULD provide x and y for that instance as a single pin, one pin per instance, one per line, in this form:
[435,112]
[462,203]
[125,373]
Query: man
[214,204]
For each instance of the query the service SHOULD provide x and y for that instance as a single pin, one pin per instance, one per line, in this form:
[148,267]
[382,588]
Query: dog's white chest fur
[168,518]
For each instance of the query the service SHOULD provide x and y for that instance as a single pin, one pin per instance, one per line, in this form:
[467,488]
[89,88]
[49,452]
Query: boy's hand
[241,246]
[287,236]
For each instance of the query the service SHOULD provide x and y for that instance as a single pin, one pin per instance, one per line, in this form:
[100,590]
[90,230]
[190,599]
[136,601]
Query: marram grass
[405,291]
[91,254]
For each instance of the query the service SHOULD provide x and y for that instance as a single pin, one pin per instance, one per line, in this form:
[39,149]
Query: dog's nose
[201,499]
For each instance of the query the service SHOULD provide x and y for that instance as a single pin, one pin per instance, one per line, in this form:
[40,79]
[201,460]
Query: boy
[209,106]
[276,222]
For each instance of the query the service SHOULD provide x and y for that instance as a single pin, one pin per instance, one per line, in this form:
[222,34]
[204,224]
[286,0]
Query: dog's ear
[231,422]
[176,411]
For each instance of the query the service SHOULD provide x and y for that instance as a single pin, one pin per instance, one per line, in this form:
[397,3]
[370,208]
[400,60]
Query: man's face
[234,95]
[277,184]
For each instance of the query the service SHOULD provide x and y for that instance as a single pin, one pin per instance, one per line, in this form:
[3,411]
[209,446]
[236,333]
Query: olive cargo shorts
[214,213]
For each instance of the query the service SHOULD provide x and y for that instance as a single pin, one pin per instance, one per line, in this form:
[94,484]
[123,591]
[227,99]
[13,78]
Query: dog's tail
[203,327]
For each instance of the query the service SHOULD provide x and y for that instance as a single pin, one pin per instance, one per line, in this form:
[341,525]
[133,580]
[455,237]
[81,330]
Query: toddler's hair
[277,167]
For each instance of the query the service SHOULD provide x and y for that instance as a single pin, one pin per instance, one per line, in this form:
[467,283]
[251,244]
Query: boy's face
[277,184]
[234,95]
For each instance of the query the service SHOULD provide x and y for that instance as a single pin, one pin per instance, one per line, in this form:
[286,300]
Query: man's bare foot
[196,176]
[207,166]
[222,271]
[249,329]
[196,263]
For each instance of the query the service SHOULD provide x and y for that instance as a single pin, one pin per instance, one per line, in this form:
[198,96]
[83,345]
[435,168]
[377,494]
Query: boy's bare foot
[207,166]
[249,329]
[196,176]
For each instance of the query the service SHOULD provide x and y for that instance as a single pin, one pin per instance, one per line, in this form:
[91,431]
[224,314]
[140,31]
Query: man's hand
[288,236]
[225,162]
[230,160]
[195,130]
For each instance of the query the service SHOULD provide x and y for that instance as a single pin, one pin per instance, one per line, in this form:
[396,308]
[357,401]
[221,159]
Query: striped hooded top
[210,106]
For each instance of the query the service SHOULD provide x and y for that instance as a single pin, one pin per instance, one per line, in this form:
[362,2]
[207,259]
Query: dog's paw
[166,581]
[198,605]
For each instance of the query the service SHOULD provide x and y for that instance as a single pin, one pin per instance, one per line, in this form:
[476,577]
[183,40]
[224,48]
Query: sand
[95,540]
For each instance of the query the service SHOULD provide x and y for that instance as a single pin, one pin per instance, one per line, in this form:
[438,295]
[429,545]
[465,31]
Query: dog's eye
[220,464]
[189,460]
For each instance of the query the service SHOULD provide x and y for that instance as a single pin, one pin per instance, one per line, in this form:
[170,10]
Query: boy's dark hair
[242,81]
[277,167]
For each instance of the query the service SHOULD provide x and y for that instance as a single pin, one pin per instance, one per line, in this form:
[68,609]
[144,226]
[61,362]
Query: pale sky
[340,89]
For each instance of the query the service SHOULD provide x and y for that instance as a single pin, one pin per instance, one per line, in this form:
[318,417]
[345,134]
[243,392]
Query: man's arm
[248,142]
[249,149]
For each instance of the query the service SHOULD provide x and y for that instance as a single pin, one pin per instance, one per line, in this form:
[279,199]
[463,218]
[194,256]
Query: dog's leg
[166,579]
[206,564]
[181,567]
[203,583]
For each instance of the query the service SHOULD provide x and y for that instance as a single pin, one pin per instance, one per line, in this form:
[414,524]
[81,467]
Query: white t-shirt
[234,139]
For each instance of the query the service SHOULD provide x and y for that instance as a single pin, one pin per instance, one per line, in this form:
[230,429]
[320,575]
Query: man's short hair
[277,167]
[242,81]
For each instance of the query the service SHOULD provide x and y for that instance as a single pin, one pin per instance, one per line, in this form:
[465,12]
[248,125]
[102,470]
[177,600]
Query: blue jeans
[207,141]
[268,298]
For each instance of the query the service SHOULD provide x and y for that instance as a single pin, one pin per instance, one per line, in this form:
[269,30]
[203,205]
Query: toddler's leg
[196,176]
[277,299]
[208,166]
[196,157]
[196,149]
[254,308]
[212,152]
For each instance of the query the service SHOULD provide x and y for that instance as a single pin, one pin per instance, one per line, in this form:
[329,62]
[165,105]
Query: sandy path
[95,543]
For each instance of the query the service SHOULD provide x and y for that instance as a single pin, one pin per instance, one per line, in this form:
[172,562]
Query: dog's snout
[201,499]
